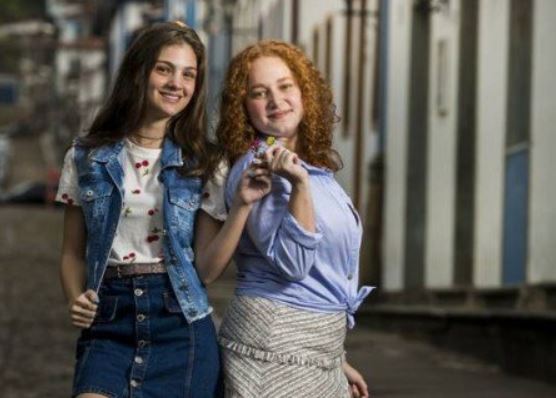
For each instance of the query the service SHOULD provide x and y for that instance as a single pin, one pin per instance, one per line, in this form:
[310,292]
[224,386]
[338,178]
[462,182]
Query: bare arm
[357,383]
[215,242]
[72,271]
[288,165]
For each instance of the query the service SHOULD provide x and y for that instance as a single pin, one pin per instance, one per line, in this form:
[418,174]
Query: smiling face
[171,82]
[274,103]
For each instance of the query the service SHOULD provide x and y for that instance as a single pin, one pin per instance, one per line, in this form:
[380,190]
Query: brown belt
[129,270]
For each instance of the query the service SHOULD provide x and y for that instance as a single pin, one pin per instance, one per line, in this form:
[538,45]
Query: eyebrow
[174,66]
[281,80]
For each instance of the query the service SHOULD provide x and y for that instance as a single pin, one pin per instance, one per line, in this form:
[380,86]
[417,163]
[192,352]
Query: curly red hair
[235,132]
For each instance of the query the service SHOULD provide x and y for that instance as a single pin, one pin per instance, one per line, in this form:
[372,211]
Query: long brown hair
[125,107]
[235,132]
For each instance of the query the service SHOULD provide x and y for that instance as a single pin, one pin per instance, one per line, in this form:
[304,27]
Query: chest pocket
[95,200]
[184,198]
[184,201]
[90,193]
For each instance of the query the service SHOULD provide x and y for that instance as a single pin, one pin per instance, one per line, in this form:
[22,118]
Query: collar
[170,157]
[105,153]
[171,154]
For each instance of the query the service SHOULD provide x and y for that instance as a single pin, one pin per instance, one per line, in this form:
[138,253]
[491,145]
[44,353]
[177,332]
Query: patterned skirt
[271,350]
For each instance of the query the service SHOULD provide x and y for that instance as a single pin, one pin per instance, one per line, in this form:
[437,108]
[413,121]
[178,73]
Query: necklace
[145,141]
[146,137]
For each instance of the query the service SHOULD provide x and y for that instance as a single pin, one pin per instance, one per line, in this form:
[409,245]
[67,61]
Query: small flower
[131,254]
[145,163]
[137,165]
[151,212]
[270,140]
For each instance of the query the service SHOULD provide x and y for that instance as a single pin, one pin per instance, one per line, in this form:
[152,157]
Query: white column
[491,132]
[397,85]
[442,140]
[542,199]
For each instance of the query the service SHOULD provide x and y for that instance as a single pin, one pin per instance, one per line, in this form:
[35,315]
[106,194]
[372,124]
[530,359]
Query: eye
[258,94]
[162,69]
[286,86]
[189,75]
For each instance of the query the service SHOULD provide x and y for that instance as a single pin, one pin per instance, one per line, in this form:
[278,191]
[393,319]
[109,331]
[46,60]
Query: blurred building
[92,39]
[80,58]
[447,133]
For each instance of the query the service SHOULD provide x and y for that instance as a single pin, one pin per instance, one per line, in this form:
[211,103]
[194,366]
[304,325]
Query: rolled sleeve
[284,243]
[294,231]
[274,232]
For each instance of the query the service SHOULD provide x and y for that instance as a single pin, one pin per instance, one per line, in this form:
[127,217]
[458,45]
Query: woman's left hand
[358,387]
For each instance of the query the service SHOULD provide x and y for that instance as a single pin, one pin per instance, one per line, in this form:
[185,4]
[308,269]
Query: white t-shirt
[139,234]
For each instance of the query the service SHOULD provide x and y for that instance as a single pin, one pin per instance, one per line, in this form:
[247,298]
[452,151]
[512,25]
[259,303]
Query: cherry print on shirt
[154,235]
[152,211]
[130,257]
[67,199]
[144,163]
[136,191]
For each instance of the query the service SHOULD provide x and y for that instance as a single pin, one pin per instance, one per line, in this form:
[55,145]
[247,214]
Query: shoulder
[243,162]
[221,173]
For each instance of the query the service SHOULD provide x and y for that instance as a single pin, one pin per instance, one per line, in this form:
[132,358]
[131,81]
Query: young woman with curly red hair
[298,257]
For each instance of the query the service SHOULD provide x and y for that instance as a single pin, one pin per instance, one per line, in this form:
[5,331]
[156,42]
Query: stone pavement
[37,341]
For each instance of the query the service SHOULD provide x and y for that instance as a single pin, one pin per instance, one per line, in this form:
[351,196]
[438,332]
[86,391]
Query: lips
[279,115]
[171,97]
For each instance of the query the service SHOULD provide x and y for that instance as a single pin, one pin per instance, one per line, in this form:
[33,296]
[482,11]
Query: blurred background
[447,132]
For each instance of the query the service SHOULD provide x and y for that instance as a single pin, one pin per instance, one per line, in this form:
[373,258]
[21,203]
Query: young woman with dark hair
[133,185]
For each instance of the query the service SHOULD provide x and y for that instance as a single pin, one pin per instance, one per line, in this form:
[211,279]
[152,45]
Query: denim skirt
[141,346]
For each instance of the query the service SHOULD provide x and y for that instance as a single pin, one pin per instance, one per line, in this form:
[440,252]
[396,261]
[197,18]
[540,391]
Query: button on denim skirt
[141,346]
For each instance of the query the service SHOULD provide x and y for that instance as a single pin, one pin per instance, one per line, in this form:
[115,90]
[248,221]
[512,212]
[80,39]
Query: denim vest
[100,177]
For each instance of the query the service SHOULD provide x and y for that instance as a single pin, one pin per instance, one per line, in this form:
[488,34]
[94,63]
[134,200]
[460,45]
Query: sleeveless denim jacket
[100,179]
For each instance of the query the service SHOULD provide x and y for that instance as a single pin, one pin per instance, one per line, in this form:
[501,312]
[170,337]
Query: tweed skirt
[272,350]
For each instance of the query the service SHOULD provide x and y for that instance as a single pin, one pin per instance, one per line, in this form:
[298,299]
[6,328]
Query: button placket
[142,327]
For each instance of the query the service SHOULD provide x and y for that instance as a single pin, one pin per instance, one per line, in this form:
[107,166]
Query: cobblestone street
[36,339]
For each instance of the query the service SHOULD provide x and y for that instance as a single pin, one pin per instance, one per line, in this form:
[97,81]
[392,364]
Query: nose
[274,97]
[174,81]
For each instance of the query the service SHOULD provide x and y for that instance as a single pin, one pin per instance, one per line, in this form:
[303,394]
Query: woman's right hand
[286,164]
[83,309]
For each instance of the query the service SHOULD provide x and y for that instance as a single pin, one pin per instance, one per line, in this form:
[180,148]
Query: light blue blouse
[280,260]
